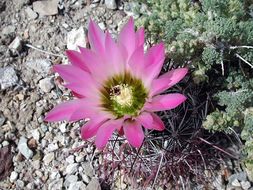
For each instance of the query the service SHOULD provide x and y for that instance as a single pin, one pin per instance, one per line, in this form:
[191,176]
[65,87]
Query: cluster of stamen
[122,94]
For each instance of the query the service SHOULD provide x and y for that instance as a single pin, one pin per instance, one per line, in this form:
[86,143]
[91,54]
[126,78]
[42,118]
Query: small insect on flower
[117,86]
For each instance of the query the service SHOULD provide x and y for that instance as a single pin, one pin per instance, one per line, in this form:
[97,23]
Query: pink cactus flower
[117,86]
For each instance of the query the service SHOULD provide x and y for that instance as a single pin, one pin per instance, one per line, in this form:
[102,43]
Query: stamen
[122,94]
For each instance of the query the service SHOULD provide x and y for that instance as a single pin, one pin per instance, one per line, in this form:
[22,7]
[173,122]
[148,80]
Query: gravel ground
[33,37]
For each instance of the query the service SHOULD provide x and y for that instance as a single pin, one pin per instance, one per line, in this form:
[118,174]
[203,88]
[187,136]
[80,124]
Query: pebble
[2,120]
[75,38]
[87,169]
[111,4]
[71,168]
[241,176]
[10,29]
[36,134]
[62,127]
[8,77]
[70,179]
[36,164]
[46,84]
[30,13]
[20,184]
[48,158]
[52,147]
[41,66]
[236,183]
[77,186]
[93,185]
[245,185]
[13,176]
[46,8]
[5,143]
[16,45]
[56,184]
[24,149]
[70,159]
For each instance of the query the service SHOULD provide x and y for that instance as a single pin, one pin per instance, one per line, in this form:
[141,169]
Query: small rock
[48,158]
[24,149]
[8,30]
[55,175]
[79,158]
[52,147]
[41,66]
[245,185]
[16,45]
[36,134]
[85,178]
[13,177]
[5,143]
[62,127]
[77,186]
[242,176]
[93,185]
[75,38]
[70,179]
[70,159]
[20,184]
[36,164]
[2,120]
[32,143]
[111,4]
[30,13]
[71,168]
[8,77]
[56,184]
[46,85]
[46,8]
[87,169]
[236,183]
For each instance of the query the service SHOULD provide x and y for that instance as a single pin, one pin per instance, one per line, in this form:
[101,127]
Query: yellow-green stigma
[123,95]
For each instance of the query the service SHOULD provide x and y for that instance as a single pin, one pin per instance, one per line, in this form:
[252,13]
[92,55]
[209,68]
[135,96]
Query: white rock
[13,177]
[48,158]
[245,185]
[5,143]
[55,175]
[8,30]
[111,4]
[62,127]
[85,178]
[56,184]
[46,8]
[236,183]
[20,184]
[70,179]
[36,164]
[71,168]
[36,134]
[52,147]
[24,149]
[30,13]
[8,77]
[79,158]
[75,38]
[46,85]
[94,185]
[70,159]
[77,186]
[41,66]
[16,45]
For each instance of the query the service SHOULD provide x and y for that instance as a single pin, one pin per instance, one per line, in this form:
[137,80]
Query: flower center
[122,95]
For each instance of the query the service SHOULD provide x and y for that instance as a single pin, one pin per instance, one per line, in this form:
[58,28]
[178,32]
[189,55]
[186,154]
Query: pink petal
[134,133]
[151,121]
[77,59]
[90,128]
[127,37]
[75,75]
[154,60]
[96,37]
[105,131]
[96,64]
[136,62]
[64,110]
[114,56]
[157,123]
[146,120]
[167,80]
[165,102]
[139,37]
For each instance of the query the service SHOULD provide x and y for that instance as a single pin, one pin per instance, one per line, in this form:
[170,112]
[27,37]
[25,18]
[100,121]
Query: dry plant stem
[222,64]
[218,148]
[241,47]
[245,61]
[43,51]
[159,167]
